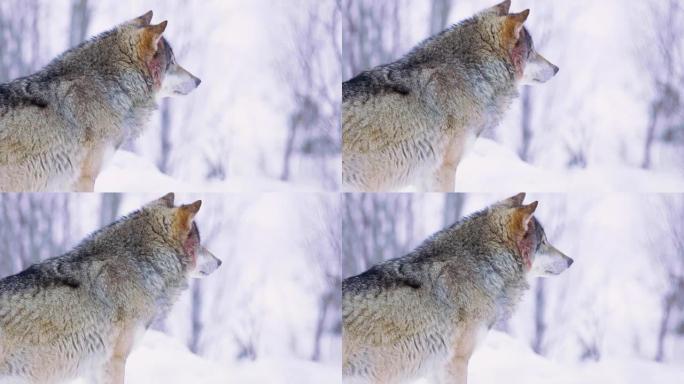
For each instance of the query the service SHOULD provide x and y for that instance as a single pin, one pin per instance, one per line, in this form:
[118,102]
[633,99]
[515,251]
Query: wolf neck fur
[501,269]
[493,79]
[114,66]
[164,273]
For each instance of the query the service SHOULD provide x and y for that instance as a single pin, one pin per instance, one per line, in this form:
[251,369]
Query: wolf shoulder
[26,101]
[384,278]
[49,275]
[18,94]
[379,81]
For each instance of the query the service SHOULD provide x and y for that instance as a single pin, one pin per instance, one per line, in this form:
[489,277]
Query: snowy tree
[453,207]
[81,13]
[669,255]
[439,14]
[372,34]
[372,229]
[324,249]
[662,55]
[20,38]
[313,78]
[34,227]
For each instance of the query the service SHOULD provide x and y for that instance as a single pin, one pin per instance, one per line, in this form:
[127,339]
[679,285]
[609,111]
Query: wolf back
[423,314]
[79,314]
[409,122]
[59,125]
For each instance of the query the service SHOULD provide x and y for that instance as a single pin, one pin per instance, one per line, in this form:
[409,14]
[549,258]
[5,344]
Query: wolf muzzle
[549,261]
[538,70]
[205,264]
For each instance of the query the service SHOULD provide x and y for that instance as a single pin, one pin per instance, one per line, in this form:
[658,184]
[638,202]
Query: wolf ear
[500,9]
[141,21]
[168,199]
[164,201]
[150,36]
[513,24]
[522,215]
[513,201]
[186,213]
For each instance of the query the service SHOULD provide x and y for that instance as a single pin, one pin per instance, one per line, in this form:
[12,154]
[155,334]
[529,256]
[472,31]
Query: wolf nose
[555,70]
[197,82]
[219,263]
[570,261]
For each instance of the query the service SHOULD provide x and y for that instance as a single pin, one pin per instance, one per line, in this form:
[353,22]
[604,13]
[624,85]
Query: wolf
[79,314]
[59,125]
[409,122]
[421,315]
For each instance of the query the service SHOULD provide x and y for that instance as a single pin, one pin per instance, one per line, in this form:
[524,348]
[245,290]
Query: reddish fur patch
[518,58]
[190,246]
[523,237]
[146,49]
[508,33]
[513,44]
[189,242]
[148,52]
[186,230]
[155,68]
[526,246]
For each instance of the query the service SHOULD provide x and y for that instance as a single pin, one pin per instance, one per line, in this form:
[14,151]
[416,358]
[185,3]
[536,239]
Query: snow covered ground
[160,359]
[128,172]
[490,167]
[487,167]
[503,359]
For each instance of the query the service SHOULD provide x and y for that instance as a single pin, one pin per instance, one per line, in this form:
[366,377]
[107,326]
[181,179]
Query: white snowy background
[616,316]
[270,314]
[264,118]
[612,119]
[606,129]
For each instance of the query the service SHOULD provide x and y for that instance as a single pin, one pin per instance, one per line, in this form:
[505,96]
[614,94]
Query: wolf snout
[569,262]
[198,81]
[538,70]
[219,262]
[205,264]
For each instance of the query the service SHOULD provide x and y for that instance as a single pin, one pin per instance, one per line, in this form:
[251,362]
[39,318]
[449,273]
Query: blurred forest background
[276,296]
[622,298]
[269,101]
[617,101]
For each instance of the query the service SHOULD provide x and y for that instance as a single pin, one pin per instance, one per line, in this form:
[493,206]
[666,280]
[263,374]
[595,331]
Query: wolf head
[539,257]
[510,33]
[184,234]
[168,77]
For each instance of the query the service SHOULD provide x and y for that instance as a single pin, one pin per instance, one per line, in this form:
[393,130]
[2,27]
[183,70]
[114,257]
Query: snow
[617,241]
[126,170]
[489,162]
[160,359]
[501,356]
[129,172]
[286,372]
[486,162]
